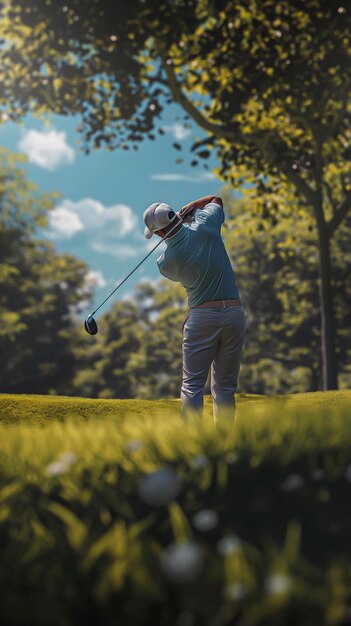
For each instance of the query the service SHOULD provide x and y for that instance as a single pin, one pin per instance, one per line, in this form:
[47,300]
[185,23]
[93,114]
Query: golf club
[90,324]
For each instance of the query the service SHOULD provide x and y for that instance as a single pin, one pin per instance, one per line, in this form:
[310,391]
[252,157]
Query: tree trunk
[329,361]
[315,379]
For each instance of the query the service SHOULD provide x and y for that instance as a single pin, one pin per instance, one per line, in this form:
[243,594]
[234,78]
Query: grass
[38,409]
[121,508]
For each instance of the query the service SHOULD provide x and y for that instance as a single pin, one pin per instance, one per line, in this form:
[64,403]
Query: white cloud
[110,230]
[199,177]
[120,251]
[88,214]
[64,223]
[96,278]
[48,148]
[124,251]
[178,131]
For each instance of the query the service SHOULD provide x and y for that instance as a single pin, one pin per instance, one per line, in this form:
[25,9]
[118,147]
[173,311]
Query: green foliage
[272,94]
[273,246]
[268,90]
[138,351]
[146,519]
[268,81]
[39,290]
[273,76]
[163,309]
[105,369]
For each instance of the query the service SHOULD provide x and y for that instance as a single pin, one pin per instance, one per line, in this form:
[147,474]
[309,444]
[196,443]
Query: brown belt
[218,304]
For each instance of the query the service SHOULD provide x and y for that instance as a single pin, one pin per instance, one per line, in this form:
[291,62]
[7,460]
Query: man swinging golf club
[213,332]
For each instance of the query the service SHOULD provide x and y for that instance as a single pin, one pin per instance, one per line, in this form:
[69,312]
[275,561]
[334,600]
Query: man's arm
[201,203]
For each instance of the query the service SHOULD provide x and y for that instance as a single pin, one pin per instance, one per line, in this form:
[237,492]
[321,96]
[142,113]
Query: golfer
[213,332]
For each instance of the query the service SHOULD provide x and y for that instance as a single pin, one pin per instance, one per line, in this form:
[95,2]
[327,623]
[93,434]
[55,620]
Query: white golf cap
[158,215]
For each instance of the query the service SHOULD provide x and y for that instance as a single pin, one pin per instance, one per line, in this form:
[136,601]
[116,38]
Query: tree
[40,291]
[268,81]
[138,351]
[105,367]
[163,309]
[276,265]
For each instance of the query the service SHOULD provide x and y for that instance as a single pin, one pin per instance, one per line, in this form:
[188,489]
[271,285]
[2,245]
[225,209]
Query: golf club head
[90,325]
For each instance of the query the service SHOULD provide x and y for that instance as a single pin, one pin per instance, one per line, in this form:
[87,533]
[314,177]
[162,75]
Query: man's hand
[187,214]
[189,209]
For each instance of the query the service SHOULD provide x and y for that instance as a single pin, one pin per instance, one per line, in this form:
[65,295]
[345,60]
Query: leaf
[139,527]
[180,525]
[10,490]
[113,542]
[76,530]
[204,154]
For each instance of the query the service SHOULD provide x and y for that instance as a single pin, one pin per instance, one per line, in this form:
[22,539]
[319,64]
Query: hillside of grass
[38,409]
[128,515]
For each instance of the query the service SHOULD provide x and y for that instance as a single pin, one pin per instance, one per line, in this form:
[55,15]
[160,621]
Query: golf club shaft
[132,272]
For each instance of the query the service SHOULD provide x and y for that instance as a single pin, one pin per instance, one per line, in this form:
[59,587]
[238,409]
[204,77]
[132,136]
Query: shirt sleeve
[167,273]
[212,214]
[159,262]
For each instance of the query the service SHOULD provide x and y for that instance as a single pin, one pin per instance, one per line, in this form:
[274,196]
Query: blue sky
[104,194]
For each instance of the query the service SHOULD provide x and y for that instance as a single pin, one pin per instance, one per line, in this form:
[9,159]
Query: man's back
[196,257]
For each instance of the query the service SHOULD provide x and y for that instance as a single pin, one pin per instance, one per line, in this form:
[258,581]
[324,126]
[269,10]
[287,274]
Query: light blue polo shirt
[196,257]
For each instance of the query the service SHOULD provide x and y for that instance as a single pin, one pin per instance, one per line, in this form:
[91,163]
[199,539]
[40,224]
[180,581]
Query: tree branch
[298,117]
[266,147]
[187,105]
[329,195]
[334,126]
[270,152]
[339,214]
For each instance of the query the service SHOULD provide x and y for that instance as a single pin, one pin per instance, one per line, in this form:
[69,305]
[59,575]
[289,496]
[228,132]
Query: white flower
[278,584]
[56,468]
[183,562]
[228,545]
[159,488]
[205,520]
[69,458]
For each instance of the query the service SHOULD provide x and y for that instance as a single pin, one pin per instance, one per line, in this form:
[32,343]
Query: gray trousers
[212,338]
